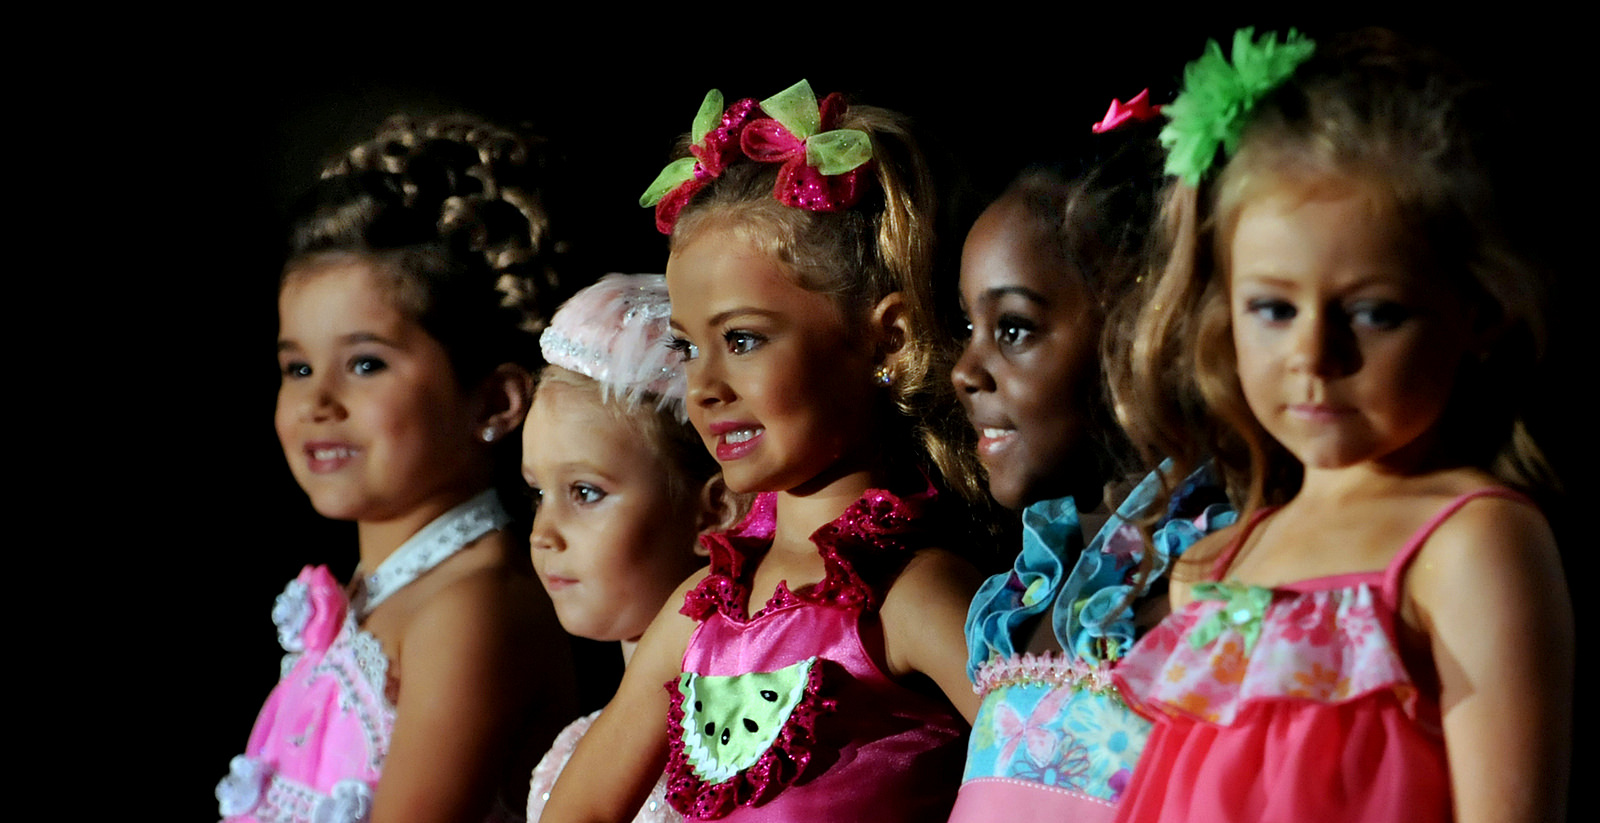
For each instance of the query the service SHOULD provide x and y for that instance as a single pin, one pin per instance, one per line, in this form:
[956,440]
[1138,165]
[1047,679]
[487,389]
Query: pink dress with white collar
[319,743]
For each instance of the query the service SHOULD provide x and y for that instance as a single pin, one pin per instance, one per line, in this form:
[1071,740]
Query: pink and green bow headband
[822,166]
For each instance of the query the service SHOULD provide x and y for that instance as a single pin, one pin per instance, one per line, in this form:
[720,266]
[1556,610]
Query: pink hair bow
[822,166]
[714,142]
[1137,109]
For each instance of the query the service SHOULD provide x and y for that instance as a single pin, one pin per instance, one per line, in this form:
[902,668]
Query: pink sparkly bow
[1137,109]
[712,152]
[822,166]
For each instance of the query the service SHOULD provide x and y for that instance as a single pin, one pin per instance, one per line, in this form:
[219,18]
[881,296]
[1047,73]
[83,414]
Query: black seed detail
[698,707]
[711,728]
[750,726]
[724,737]
[769,695]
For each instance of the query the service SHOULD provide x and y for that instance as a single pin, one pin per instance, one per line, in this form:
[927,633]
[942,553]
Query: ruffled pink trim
[856,548]
[777,768]
[1052,668]
[1327,646]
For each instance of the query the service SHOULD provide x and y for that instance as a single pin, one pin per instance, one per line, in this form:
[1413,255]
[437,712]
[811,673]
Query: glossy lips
[735,440]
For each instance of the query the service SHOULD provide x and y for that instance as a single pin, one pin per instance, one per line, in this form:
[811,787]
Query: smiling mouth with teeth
[740,436]
[336,453]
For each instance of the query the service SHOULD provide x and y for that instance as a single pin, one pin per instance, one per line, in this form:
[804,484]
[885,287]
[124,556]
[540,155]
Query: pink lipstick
[735,440]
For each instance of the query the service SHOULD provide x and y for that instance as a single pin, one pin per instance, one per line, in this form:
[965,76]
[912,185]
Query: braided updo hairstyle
[451,209]
[450,212]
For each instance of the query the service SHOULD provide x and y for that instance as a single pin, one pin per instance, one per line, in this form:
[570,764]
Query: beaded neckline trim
[436,542]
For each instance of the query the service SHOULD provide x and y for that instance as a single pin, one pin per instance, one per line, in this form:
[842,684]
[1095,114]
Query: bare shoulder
[1492,541]
[924,614]
[1195,564]
[935,567]
[931,579]
[1488,592]
[486,605]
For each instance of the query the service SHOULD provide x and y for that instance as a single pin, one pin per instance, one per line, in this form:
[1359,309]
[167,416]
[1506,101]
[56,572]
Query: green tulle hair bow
[831,152]
[1218,97]
[681,171]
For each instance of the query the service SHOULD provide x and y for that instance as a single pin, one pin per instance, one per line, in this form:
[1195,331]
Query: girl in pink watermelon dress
[1386,635]
[815,670]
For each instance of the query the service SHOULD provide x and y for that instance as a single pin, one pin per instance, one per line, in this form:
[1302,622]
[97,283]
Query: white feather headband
[615,332]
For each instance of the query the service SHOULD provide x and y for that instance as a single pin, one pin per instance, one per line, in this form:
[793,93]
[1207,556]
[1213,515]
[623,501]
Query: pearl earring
[489,434]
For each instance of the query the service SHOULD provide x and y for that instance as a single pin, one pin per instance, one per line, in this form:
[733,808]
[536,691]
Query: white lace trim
[372,666]
[251,788]
[290,613]
[241,789]
[438,541]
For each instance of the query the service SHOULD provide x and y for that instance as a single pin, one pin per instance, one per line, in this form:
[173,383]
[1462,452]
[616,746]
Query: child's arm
[1488,590]
[923,616]
[468,675]
[619,760]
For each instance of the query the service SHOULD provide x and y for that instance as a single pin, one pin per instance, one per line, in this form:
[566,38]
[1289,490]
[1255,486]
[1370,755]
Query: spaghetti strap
[1220,566]
[1403,558]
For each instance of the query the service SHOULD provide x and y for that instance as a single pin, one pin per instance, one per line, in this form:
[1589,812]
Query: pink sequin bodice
[858,746]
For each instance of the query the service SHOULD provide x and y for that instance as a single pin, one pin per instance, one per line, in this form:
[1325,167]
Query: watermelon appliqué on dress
[741,739]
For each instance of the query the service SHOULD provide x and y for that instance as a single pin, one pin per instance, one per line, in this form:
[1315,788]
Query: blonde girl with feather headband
[622,484]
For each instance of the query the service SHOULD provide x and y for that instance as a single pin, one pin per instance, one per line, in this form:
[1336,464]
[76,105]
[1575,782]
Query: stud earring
[883,376]
[489,434]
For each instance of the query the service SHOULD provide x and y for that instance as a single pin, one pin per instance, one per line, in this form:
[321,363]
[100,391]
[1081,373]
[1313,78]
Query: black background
[194,142]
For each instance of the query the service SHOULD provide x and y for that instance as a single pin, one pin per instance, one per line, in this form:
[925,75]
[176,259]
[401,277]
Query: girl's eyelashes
[685,349]
[1377,315]
[1271,310]
[1013,331]
[586,494]
[366,365]
[1381,315]
[742,342]
[295,369]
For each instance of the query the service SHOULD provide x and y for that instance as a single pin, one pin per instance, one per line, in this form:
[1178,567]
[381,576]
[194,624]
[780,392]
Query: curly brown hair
[451,210]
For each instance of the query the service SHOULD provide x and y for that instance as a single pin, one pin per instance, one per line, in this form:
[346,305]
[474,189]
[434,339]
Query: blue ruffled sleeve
[1089,616]
[1050,535]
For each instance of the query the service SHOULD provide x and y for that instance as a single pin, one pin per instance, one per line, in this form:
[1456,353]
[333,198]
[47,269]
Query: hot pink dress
[318,746]
[786,715]
[1289,703]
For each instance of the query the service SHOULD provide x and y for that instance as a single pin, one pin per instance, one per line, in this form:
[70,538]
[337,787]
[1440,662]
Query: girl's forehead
[722,269]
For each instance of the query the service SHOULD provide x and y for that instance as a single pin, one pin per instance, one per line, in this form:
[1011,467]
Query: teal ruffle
[1086,616]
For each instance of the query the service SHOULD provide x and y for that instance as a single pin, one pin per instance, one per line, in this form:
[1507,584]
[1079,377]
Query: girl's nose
[1324,347]
[968,374]
[707,386]
[544,535]
[322,401]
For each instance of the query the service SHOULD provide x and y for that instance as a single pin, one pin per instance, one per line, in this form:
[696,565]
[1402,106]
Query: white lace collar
[436,542]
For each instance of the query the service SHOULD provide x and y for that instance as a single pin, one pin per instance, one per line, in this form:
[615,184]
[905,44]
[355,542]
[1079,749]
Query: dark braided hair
[451,209]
